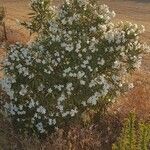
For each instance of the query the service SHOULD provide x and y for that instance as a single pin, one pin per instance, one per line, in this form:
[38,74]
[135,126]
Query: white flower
[43,62]
[6,84]
[93,29]
[31,76]
[78,46]
[142,30]
[61,98]
[80,55]
[64,21]
[101,62]
[82,82]
[50,122]
[102,27]
[89,67]
[38,60]
[40,127]
[67,70]
[23,90]
[92,83]
[138,63]
[60,107]
[54,121]
[11,108]
[83,103]
[65,114]
[41,110]
[49,90]
[31,104]
[73,112]
[131,86]
[93,99]
[69,88]
[80,74]
[113,14]
[116,64]
[59,87]
[85,62]
[70,20]
[41,87]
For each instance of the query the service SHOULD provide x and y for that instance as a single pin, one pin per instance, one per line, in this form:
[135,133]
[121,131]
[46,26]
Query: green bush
[41,13]
[82,62]
[134,136]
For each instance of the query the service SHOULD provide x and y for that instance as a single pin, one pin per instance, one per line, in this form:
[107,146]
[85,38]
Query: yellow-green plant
[144,137]
[134,136]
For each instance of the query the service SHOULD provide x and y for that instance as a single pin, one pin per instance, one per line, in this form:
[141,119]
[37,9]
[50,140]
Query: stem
[5,33]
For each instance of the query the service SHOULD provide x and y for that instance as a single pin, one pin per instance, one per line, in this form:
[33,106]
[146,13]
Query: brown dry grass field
[136,11]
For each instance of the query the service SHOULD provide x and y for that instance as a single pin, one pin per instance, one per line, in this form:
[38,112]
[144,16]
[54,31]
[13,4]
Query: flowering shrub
[82,62]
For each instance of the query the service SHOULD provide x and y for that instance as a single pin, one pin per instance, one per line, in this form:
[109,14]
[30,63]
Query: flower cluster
[82,62]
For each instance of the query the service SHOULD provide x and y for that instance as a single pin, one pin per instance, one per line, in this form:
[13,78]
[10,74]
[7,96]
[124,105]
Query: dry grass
[138,99]
[74,138]
[103,135]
